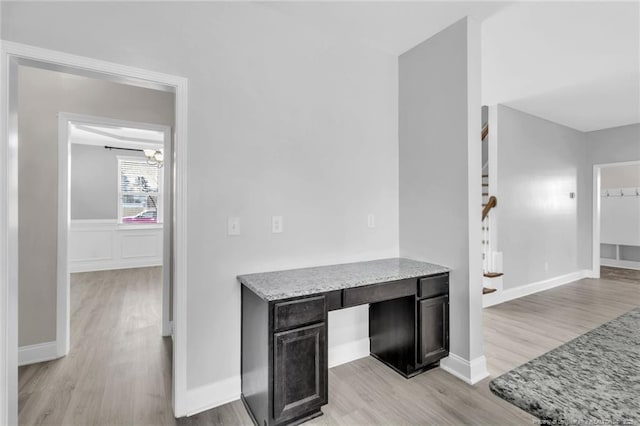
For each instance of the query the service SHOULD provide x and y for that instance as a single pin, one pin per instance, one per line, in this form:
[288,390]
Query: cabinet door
[300,371]
[433,329]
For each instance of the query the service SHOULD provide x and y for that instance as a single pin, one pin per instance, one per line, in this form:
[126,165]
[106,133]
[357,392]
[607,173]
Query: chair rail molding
[12,55]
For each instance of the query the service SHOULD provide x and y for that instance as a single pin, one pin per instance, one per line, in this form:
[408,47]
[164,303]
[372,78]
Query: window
[139,191]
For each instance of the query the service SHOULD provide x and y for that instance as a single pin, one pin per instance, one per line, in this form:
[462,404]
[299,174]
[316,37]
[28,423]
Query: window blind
[139,188]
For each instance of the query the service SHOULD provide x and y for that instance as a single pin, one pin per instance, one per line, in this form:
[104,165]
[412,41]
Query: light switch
[276,224]
[371,220]
[233,226]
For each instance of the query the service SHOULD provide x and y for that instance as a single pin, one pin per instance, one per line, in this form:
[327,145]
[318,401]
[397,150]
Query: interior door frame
[63,324]
[597,168]
[11,56]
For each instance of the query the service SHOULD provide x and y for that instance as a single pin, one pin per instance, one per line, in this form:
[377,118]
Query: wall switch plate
[371,220]
[233,226]
[276,224]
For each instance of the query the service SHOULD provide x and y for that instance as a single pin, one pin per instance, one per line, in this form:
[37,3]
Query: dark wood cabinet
[433,329]
[299,371]
[411,334]
[285,350]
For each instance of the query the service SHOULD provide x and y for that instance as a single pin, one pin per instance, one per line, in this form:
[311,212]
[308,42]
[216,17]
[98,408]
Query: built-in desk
[284,329]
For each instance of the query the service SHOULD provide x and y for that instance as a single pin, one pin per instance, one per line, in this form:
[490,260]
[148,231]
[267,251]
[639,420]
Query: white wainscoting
[100,245]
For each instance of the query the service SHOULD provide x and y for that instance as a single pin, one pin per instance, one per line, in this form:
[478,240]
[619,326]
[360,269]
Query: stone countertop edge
[285,284]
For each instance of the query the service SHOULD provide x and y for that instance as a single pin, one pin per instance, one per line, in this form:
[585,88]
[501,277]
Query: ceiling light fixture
[155,157]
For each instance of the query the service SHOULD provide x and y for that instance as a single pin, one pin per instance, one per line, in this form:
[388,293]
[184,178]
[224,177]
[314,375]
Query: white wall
[627,176]
[440,172]
[41,96]
[620,220]
[301,126]
[542,232]
[620,215]
[614,145]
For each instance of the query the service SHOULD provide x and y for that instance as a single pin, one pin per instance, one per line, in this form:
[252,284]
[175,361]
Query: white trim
[224,391]
[39,352]
[470,372]
[347,352]
[212,395]
[470,305]
[595,238]
[595,234]
[179,264]
[528,289]
[11,54]
[8,239]
[626,264]
[63,305]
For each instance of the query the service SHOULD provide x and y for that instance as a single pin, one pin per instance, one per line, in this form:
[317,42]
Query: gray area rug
[593,379]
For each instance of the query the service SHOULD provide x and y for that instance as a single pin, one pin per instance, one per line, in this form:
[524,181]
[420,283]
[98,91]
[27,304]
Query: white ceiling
[120,137]
[577,64]
[574,63]
[391,26]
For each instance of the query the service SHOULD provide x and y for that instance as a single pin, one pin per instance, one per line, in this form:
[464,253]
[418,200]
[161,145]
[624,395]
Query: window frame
[160,193]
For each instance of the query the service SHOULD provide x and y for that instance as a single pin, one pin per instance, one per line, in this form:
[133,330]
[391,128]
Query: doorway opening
[173,233]
[616,217]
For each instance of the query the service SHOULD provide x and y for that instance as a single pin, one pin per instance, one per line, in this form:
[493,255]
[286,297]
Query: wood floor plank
[119,368]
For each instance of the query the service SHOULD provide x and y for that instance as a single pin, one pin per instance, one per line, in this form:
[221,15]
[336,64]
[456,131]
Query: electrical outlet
[233,226]
[276,224]
[371,220]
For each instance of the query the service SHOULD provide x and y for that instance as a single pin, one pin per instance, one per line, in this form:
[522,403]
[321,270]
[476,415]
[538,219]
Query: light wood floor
[118,370]
[360,392]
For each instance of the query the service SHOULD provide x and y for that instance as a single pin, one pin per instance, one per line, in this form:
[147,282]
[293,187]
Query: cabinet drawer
[437,285]
[299,312]
[378,292]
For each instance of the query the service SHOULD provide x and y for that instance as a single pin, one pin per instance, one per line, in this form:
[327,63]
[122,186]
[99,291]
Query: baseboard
[39,352]
[213,395]
[348,352]
[528,289]
[470,372]
[210,396]
[626,264]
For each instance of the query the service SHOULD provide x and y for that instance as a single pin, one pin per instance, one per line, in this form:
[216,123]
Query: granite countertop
[306,281]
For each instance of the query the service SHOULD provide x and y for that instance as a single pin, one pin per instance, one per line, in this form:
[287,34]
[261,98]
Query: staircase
[491,281]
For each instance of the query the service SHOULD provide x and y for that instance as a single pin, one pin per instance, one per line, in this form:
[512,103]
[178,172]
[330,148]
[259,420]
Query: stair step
[485,176]
[493,274]
[488,290]
[485,193]
[485,184]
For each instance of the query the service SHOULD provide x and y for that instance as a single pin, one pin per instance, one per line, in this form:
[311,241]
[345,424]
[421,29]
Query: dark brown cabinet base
[410,334]
[284,343]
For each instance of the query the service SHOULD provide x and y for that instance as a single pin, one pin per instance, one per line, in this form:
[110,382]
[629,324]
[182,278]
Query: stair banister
[493,201]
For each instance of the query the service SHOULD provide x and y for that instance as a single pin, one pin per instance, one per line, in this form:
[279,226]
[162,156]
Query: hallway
[118,370]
